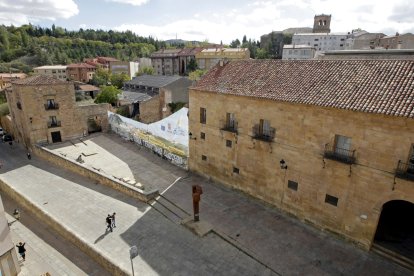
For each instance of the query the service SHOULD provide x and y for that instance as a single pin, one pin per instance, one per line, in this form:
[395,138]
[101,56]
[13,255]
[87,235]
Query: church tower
[322,23]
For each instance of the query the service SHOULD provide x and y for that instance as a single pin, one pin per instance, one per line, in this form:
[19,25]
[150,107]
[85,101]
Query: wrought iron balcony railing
[53,124]
[230,126]
[405,170]
[266,135]
[51,106]
[338,154]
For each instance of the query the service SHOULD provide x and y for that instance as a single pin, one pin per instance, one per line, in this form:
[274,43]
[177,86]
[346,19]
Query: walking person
[109,223]
[113,220]
[22,250]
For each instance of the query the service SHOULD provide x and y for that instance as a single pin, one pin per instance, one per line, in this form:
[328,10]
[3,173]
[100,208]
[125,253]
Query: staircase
[389,254]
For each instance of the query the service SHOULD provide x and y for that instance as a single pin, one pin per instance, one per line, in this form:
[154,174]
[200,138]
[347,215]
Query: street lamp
[133,252]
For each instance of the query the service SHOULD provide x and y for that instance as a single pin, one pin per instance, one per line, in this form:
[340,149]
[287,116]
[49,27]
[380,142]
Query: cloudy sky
[216,21]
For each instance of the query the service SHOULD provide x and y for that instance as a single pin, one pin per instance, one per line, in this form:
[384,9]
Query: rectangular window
[293,185]
[228,143]
[236,170]
[342,144]
[203,157]
[264,128]
[203,115]
[50,103]
[53,120]
[202,135]
[331,200]
[230,121]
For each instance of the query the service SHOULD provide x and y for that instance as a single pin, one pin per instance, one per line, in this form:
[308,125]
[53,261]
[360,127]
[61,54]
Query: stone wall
[150,111]
[302,131]
[97,176]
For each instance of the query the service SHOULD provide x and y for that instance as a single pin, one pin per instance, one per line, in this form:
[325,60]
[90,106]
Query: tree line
[28,46]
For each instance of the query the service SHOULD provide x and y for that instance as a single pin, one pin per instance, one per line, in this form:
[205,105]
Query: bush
[4,109]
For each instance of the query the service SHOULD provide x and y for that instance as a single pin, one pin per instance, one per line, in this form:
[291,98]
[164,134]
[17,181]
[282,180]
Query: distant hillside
[28,46]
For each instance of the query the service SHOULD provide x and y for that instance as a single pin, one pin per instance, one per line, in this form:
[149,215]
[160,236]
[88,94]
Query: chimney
[399,44]
[221,63]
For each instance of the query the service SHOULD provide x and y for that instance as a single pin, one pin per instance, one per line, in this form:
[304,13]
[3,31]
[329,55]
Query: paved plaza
[248,237]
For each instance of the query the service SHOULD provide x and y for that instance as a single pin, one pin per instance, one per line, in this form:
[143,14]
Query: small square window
[203,157]
[236,170]
[331,200]
[293,185]
[228,143]
[202,135]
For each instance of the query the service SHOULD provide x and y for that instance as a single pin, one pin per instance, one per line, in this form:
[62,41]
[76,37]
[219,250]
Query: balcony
[230,127]
[338,154]
[51,106]
[266,135]
[53,124]
[405,171]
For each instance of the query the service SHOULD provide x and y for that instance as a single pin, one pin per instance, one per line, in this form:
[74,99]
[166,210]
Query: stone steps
[389,254]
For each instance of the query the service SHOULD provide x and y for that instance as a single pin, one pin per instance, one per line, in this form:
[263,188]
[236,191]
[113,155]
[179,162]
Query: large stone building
[43,110]
[321,41]
[298,52]
[208,58]
[166,62]
[57,71]
[148,97]
[330,142]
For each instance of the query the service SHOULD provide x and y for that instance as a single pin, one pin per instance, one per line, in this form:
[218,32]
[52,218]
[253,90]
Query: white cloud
[130,2]
[261,17]
[18,12]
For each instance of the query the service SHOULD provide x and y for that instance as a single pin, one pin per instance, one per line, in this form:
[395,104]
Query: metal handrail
[405,170]
[264,134]
[339,154]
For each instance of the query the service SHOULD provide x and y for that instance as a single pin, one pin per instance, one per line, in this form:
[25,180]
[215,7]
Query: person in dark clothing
[109,223]
[21,250]
[113,220]
[29,156]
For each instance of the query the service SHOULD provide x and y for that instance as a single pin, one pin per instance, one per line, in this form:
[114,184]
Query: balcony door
[342,145]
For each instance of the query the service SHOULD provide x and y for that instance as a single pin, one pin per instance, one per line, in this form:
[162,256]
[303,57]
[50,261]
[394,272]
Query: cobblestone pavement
[256,236]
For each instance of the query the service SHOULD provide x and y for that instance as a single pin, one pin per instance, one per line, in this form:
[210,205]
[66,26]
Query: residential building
[321,41]
[208,58]
[130,68]
[57,71]
[185,56]
[298,52]
[86,89]
[101,62]
[43,110]
[149,96]
[82,72]
[9,264]
[328,141]
[166,62]
[7,78]
[397,41]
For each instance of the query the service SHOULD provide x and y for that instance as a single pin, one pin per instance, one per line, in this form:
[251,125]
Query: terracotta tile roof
[80,65]
[373,86]
[190,51]
[108,59]
[39,80]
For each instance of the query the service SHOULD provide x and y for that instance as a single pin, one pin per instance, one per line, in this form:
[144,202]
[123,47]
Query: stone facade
[322,23]
[43,110]
[57,71]
[298,52]
[208,58]
[301,133]
[82,72]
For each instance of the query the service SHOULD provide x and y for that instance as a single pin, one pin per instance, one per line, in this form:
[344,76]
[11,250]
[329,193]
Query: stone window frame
[332,200]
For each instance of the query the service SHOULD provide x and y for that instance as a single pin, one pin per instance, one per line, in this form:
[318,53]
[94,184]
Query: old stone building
[208,58]
[7,78]
[322,23]
[57,71]
[148,97]
[330,142]
[43,110]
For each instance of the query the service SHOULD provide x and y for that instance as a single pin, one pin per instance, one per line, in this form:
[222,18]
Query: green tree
[261,53]
[118,80]
[101,77]
[197,74]
[109,94]
[145,71]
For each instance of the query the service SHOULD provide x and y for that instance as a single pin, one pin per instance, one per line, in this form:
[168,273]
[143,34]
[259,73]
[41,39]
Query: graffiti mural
[167,138]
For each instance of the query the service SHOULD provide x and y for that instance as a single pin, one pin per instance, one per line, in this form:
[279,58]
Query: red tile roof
[39,80]
[81,65]
[373,86]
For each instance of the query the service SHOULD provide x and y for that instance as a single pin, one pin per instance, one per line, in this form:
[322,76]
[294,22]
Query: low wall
[101,178]
[48,220]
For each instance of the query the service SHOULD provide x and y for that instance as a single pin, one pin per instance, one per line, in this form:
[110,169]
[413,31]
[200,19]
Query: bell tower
[322,23]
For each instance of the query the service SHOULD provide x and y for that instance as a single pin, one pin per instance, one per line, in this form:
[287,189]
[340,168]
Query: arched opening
[395,230]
